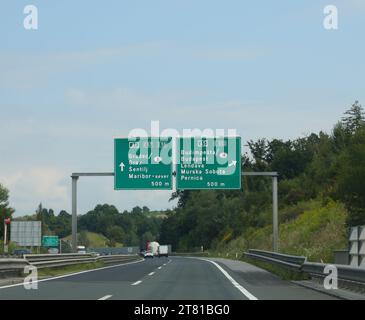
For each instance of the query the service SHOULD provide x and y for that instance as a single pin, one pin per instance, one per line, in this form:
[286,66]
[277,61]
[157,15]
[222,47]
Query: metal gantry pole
[275,218]
[74,213]
[75,177]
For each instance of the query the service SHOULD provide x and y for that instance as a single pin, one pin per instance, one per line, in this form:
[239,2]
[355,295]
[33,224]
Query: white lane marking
[234,282]
[73,274]
[105,298]
[150,274]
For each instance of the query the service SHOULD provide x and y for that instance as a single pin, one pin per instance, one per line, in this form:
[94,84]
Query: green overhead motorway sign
[143,164]
[208,163]
[50,241]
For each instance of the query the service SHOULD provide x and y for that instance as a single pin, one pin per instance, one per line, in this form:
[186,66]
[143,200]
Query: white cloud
[39,184]
[29,70]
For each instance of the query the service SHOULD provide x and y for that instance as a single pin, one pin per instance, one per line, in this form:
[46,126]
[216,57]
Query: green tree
[5,211]
[354,118]
[351,181]
[137,210]
[116,233]
[147,236]
[145,210]
[40,215]
[83,240]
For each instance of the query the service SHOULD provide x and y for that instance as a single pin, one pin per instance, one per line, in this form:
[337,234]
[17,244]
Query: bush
[315,233]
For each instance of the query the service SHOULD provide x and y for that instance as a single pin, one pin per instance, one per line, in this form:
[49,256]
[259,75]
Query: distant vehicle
[163,251]
[142,253]
[153,247]
[95,254]
[53,251]
[148,254]
[21,252]
[81,249]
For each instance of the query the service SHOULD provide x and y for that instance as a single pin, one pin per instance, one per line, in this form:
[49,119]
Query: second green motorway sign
[208,163]
[143,164]
[50,241]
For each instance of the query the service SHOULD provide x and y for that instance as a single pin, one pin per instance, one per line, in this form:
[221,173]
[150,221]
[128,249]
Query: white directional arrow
[122,165]
[232,164]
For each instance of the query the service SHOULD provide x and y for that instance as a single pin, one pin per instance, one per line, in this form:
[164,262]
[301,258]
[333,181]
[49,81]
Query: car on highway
[21,252]
[148,254]
[81,249]
[95,254]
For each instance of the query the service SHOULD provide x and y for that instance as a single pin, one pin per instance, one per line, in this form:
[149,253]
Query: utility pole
[74,213]
[75,178]
[275,218]
[6,223]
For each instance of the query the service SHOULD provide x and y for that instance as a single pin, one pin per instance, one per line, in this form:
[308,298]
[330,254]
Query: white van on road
[163,251]
[81,249]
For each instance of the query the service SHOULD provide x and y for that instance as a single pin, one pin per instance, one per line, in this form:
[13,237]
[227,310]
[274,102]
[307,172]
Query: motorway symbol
[208,163]
[143,164]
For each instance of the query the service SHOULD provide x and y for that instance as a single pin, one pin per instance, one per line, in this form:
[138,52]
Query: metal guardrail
[61,263]
[6,264]
[349,277]
[118,258]
[285,260]
[344,272]
[40,261]
[10,267]
[49,257]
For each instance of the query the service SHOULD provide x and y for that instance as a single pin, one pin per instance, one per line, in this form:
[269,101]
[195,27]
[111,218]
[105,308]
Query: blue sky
[98,69]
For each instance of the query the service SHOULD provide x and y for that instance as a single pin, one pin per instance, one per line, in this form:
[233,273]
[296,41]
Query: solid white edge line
[234,282]
[72,274]
[105,298]
[136,283]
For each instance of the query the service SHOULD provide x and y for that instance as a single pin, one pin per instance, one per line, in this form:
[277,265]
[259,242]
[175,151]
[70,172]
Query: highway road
[173,278]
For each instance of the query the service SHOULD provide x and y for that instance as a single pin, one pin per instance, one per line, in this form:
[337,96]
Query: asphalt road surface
[173,278]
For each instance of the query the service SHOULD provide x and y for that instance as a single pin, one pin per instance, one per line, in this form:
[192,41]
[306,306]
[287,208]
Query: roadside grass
[52,272]
[315,233]
[95,240]
[313,229]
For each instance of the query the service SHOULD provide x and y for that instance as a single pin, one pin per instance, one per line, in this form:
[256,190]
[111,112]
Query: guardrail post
[74,213]
[275,213]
